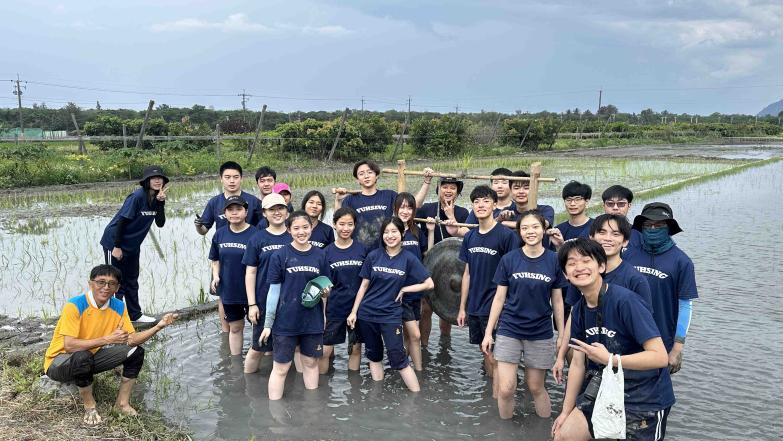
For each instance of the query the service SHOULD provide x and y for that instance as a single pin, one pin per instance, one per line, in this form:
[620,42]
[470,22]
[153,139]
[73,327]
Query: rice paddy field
[49,238]
[726,389]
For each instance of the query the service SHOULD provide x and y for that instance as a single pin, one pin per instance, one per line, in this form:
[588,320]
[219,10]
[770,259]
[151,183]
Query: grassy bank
[30,414]
[37,164]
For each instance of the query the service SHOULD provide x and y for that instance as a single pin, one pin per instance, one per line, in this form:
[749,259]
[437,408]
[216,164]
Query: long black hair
[411,201]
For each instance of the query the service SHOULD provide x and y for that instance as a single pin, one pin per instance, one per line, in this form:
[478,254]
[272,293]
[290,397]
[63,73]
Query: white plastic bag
[609,410]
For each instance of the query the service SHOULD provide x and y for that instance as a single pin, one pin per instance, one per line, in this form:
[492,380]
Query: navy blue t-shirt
[671,277]
[627,324]
[571,232]
[213,212]
[322,235]
[482,252]
[345,265]
[228,248]
[415,245]
[292,269]
[527,313]
[371,210]
[259,250]
[387,276]
[139,215]
[429,210]
[624,275]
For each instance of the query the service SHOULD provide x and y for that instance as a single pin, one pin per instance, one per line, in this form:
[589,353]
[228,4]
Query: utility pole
[362,105]
[245,97]
[600,96]
[456,109]
[18,93]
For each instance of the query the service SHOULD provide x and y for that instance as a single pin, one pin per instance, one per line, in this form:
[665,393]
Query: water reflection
[727,346]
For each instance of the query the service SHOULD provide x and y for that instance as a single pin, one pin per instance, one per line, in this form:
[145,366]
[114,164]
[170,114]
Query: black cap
[449,180]
[657,211]
[234,200]
[152,171]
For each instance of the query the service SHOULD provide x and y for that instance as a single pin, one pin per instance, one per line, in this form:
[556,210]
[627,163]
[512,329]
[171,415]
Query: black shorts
[639,426]
[334,332]
[257,345]
[310,345]
[477,324]
[233,313]
[377,335]
[411,310]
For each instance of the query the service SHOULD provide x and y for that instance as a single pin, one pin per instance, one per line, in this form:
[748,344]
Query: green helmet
[314,290]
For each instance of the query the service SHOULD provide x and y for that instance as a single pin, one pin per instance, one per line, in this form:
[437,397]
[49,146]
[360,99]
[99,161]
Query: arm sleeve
[160,214]
[119,231]
[366,271]
[272,298]
[684,320]
[686,283]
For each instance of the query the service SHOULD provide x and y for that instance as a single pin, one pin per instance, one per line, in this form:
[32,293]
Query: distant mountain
[773,109]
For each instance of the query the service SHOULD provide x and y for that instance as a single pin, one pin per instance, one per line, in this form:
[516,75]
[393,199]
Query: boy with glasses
[617,200]
[576,198]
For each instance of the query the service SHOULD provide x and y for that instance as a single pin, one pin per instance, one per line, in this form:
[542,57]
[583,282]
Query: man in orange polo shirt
[94,334]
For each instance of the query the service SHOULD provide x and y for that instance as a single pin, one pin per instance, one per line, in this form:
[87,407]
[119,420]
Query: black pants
[79,367]
[129,287]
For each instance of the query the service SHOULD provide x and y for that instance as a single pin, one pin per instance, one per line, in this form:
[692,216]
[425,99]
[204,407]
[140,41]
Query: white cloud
[239,23]
[326,30]
[722,47]
[233,23]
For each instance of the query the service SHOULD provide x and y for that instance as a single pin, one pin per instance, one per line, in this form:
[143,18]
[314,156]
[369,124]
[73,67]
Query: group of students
[605,285]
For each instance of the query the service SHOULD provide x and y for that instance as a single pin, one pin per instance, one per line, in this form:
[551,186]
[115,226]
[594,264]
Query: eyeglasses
[574,199]
[618,204]
[102,283]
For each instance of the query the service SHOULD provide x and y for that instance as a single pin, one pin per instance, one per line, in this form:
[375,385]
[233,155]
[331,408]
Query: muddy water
[728,389]
[49,239]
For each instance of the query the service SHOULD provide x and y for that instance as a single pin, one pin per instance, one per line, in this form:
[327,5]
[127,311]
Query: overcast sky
[696,56]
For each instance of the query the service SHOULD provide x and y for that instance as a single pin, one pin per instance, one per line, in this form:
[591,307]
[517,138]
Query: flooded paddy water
[728,388]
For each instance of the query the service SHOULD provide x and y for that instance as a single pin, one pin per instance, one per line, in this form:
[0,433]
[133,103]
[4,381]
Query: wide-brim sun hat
[657,211]
[449,180]
[151,172]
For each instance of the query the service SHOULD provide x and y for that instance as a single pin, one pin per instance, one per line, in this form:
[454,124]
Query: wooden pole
[535,177]
[82,149]
[465,176]
[259,127]
[124,137]
[139,142]
[334,191]
[526,132]
[441,222]
[339,133]
[401,184]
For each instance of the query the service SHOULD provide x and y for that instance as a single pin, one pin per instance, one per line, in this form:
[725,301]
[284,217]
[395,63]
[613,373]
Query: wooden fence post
[339,133]
[258,132]
[139,143]
[402,136]
[532,196]
[124,137]
[82,149]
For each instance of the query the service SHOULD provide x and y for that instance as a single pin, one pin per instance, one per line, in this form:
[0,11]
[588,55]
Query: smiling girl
[529,282]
